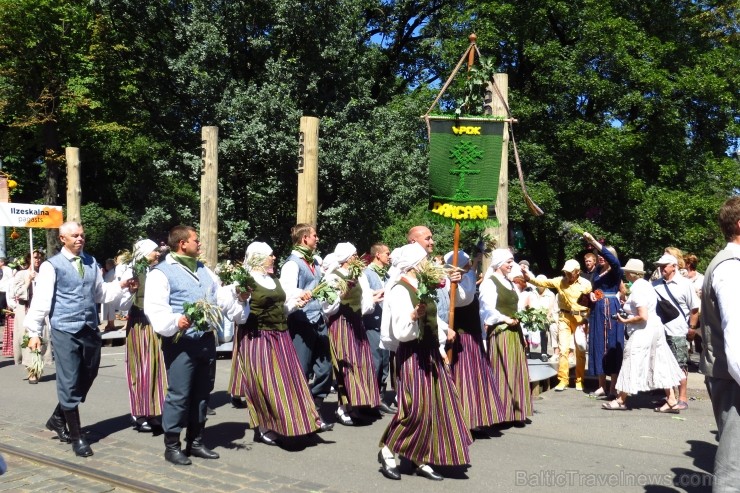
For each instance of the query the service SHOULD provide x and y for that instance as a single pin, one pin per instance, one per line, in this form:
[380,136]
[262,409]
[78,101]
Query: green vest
[428,325]
[507,299]
[266,308]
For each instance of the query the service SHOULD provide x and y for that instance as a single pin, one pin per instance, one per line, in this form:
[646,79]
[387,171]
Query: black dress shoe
[385,408]
[324,426]
[197,449]
[388,471]
[266,439]
[238,403]
[175,456]
[143,427]
[430,474]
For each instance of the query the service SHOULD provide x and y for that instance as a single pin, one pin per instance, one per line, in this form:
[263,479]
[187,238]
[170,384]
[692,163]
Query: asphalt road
[571,444]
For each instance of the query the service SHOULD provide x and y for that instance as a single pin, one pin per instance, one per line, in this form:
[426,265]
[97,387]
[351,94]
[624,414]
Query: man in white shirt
[677,290]
[68,286]
[720,359]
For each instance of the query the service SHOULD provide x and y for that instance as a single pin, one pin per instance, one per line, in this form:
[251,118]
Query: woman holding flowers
[430,426]
[351,355]
[606,333]
[145,368]
[22,293]
[498,304]
[278,397]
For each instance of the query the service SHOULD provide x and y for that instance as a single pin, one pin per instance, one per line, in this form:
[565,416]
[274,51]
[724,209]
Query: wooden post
[74,191]
[497,108]
[209,196]
[308,171]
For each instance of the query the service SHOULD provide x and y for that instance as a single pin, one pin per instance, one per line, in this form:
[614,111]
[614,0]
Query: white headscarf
[499,257]
[343,251]
[409,256]
[143,248]
[462,258]
[330,264]
[257,248]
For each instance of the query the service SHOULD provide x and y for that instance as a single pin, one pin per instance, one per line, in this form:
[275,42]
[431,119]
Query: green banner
[464,166]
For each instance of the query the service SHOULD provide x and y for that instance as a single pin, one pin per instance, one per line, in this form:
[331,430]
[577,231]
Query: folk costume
[145,366]
[351,356]
[191,360]
[278,397]
[376,277]
[471,368]
[430,426]
[506,352]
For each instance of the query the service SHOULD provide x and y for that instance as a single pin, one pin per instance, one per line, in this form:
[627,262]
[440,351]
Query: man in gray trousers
[68,286]
[720,360]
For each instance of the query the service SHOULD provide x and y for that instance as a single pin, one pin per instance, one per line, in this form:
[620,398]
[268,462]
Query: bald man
[423,236]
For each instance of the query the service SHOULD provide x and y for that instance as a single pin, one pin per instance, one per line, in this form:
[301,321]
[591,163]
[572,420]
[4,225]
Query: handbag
[581,339]
[666,310]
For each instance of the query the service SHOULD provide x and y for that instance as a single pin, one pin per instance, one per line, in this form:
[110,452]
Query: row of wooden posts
[307,168]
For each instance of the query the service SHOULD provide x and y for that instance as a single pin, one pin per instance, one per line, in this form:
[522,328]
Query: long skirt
[648,362]
[8,335]
[22,356]
[430,426]
[277,394]
[509,364]
[352,361]
[605,338]
[146,373]
[475,382]
[236,378]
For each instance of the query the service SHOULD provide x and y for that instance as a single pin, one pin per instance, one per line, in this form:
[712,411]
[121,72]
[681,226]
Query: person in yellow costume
[570,286]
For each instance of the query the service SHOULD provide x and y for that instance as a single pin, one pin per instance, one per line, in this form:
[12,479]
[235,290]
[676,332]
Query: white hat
[344,251]
[499,257]
[516,271]
[635,266]
[462,258]
[143,248]
[667,259]
[571,265]
[410,256]
[395,255]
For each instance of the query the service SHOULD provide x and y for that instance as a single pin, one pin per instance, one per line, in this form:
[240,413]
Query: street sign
[31,215]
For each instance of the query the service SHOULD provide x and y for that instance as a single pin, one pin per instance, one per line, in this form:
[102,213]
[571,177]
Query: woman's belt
[577,313]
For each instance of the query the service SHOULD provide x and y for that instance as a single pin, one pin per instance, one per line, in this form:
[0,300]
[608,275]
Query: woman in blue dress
[606,333]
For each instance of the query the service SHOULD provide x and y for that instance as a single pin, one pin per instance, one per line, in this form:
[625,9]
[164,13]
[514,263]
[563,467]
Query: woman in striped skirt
[351,356]
[471,368]
[278,398]
[498,304]
[430,426]
[236,377]
[145,369]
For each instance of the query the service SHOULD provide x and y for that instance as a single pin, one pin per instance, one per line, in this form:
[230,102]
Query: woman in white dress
[648,363]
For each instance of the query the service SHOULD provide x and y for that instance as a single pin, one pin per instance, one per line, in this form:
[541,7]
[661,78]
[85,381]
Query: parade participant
[145,367]
[498,304]
[68,286]
[300,273]
[278,397]
[570,287]
[189,354]
[351,355]
[606,333]
[648,363]
[376,275]
[430,427]
[720,359]
[423,236]
[236,377]
[471,368]
[19,299]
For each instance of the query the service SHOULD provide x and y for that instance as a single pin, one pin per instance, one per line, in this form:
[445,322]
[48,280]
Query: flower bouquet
[231,273]
[36,368]
[534,319]
[330,287]
[430,277]
[203,315]
[355,267]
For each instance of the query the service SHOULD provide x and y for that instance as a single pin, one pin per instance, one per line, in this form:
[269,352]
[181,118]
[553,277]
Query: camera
[620,313]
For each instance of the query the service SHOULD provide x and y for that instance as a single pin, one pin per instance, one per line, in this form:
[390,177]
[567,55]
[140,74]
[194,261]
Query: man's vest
[307,280]
[371,321]
[73,304]
[186,287]
[713,361]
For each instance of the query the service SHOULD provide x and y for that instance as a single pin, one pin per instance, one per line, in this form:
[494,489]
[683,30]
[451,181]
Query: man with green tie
[68,286]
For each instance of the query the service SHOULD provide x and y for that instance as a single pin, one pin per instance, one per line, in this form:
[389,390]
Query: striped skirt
[352,361]
[277,394]
[509,363]
[475,382]
[236,378]
[8,335]
[145,369]
[430,426]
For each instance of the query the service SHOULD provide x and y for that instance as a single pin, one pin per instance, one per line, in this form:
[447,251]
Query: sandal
[671,409]
[682,405]
[597,393]
[614,405]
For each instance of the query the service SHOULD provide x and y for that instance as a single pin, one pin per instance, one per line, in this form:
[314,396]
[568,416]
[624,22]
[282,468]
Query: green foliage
[106,231]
